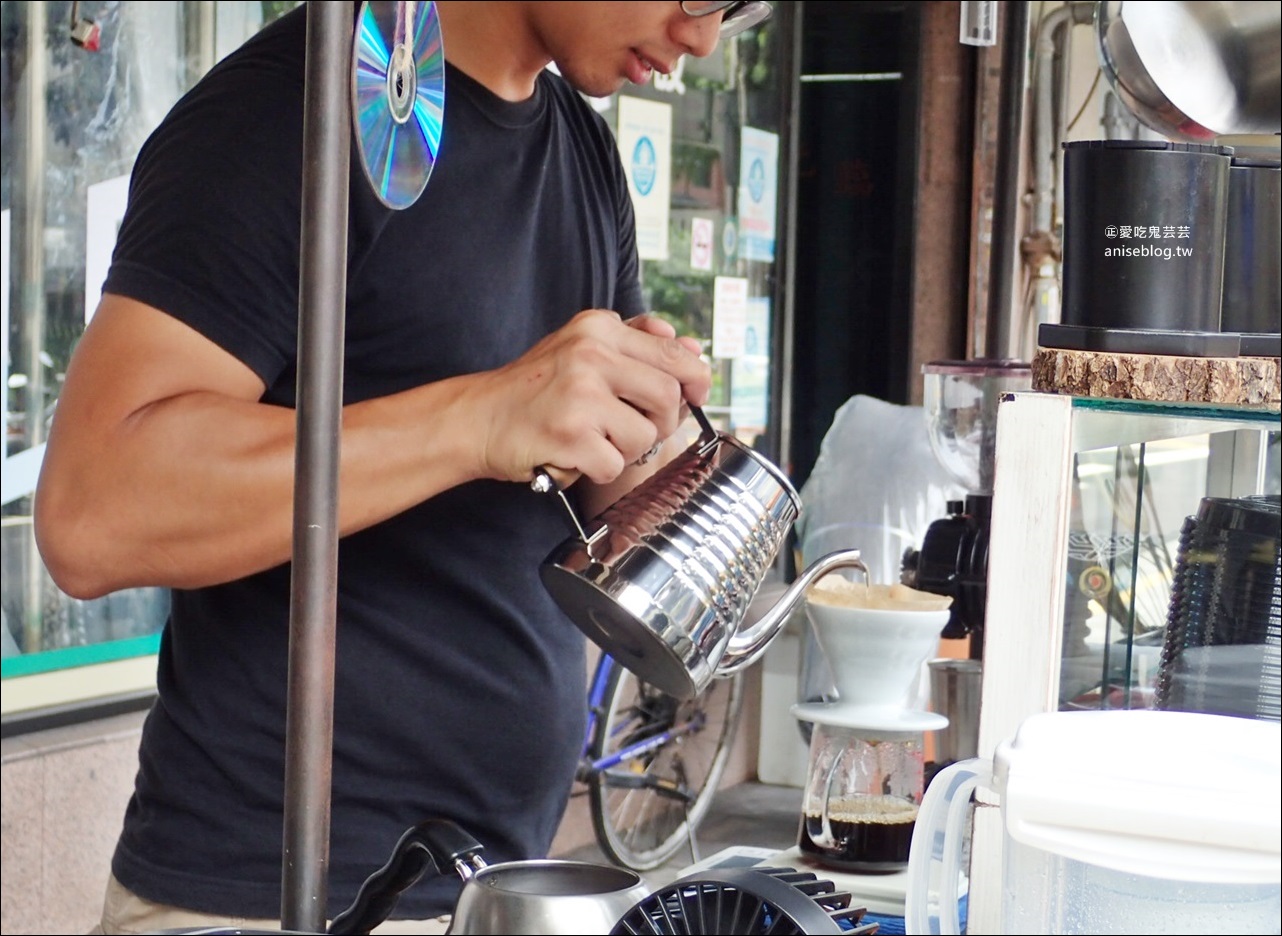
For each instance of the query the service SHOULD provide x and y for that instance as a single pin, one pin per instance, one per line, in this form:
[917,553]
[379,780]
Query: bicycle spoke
[658,762]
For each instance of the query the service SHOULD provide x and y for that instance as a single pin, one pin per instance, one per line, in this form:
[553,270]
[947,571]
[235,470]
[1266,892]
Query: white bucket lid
[1177,795]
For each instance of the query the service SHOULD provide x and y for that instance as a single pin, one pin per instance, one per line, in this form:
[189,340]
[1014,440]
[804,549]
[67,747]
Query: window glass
[712,275]
[81,87]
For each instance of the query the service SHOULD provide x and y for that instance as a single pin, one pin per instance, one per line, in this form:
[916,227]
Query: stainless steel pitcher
[537,896]
[662,579]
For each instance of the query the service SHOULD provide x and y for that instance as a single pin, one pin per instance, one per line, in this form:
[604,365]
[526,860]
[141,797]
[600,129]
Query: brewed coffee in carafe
[861,799]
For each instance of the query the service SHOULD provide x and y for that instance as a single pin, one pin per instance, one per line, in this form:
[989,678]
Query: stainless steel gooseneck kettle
[662,579]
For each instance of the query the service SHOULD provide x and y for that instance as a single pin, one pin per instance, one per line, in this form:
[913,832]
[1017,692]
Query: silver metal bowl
[1194,71]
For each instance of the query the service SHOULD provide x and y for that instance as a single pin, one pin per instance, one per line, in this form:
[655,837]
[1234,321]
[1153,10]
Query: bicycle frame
[651,763]
[596,701]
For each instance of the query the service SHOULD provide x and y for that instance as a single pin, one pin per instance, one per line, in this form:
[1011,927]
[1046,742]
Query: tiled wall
[65,792]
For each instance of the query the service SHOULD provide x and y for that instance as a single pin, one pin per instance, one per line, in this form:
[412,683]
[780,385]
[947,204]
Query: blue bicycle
[652,763]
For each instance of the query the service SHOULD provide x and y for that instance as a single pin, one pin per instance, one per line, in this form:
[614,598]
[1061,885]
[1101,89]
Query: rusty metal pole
[1000,341]
[314,589]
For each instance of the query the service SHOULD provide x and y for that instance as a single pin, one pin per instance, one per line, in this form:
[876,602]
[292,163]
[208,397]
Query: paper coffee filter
[837,591]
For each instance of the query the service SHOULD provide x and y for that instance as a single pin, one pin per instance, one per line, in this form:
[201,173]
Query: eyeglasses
[737,15]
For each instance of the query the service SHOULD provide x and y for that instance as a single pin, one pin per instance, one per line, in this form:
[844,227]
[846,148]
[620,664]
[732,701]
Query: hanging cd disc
[398,97]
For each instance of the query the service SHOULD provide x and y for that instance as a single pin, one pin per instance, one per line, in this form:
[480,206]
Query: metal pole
[783,373]
[1001,283]
[313,600]
[33,123]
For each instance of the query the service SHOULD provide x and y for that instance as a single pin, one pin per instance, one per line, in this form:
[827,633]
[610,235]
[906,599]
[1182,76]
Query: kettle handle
[435,841]
[543,482]
[938,837]
[707,431]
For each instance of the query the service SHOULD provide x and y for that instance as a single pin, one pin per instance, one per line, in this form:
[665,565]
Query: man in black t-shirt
[491,327]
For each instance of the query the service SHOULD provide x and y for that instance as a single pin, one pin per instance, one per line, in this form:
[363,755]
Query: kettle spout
[747,645]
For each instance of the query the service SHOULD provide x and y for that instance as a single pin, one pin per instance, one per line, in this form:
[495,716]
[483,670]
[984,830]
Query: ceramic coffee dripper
[662,579]
[876,654]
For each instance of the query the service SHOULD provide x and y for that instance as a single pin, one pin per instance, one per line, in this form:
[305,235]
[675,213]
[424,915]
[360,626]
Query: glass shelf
[1090,498]
[1180,410]
[1139,471]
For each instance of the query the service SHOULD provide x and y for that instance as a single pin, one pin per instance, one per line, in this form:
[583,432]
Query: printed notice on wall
[758,185]
[701,237]
[104,212]
[645,146]
[749,373]
[729,316]
[4,331]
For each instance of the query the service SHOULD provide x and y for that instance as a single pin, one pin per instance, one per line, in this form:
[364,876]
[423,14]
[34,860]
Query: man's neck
[494,43]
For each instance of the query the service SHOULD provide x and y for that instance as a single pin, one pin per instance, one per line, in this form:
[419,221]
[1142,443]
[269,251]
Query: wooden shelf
[1254,382]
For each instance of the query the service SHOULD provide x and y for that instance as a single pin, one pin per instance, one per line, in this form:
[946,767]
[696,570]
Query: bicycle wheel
[647,806]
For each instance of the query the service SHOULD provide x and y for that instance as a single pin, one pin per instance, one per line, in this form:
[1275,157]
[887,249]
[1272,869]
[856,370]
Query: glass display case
[1094,501]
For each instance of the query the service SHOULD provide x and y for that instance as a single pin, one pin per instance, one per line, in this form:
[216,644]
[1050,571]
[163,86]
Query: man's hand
[589,399]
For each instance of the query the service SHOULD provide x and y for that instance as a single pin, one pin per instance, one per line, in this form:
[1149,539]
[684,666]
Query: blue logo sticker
[645,166]
[757,180]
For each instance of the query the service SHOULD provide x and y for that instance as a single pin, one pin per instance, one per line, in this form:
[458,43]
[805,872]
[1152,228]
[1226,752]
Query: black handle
[436,841]
[707,430]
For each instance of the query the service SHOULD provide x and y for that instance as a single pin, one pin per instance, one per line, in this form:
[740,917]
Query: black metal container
[1252,275]
[1144,230]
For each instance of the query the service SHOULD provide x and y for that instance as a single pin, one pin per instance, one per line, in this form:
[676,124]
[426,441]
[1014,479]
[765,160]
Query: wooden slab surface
[1244,381]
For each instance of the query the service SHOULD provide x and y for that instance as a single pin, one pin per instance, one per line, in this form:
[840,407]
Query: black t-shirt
[459,684]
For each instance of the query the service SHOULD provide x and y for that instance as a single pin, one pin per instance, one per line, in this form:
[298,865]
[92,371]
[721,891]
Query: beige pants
[123,911]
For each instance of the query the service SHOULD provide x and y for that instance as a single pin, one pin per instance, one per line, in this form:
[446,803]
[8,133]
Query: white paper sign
[701,235]
[758,188]
[645,146]
[4,331]
[729,316]
[104,212]
[730,240]
[750,372]
[18,473]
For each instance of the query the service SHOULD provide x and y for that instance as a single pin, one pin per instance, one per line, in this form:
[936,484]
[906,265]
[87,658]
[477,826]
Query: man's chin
[596,86]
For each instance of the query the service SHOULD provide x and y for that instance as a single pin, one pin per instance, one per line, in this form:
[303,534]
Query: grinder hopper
[960,400]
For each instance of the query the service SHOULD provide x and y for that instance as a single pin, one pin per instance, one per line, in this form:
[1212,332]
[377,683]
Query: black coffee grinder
[960,400]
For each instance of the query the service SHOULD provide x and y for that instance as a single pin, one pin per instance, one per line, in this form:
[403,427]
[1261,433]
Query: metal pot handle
[436,841]
[707,431]
[544,483]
